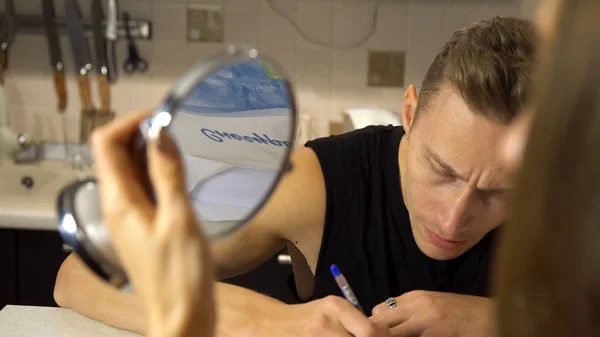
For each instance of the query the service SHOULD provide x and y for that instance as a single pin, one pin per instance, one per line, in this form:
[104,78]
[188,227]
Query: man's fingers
[379,309]
[410,328]
[391,317]
[383,307]
[356,323]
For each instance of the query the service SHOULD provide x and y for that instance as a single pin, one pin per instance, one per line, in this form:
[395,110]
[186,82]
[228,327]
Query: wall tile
[326,80]
[277,37]
[206,2]
[170,58]
[241,28]
[351,21]
[196,52]
[241,6]
[169,21]
[392,31]
[349,68]
[315,19]
[171,2]
[137,9]
[426,37]
[506,8]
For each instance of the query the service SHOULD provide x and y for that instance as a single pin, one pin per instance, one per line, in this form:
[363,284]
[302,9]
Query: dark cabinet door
[8,267]
[39,256]
[29,263]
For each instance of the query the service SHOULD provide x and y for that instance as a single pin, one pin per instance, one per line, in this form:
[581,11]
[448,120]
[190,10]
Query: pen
[345,287]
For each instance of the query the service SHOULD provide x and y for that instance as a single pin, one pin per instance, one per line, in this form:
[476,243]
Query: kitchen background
[327,80]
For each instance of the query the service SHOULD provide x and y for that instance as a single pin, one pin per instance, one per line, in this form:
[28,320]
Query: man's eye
[498,195]
[442,172]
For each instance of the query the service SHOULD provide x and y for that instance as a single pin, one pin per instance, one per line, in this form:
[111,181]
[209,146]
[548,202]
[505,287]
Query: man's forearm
[78,289]
[240,311]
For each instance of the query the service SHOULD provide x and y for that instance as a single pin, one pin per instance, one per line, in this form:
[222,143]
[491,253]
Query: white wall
[327,81]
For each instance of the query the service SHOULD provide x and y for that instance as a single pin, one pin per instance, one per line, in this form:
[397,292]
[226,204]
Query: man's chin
[436,253]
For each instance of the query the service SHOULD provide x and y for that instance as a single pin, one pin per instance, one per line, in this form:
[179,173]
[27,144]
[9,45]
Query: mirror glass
[234,121]
[234,131]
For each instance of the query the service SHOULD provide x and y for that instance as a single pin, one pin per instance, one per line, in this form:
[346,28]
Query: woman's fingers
[122,195]
[167,175]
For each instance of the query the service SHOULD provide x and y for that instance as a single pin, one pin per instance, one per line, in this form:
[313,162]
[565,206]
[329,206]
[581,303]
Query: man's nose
[458,213]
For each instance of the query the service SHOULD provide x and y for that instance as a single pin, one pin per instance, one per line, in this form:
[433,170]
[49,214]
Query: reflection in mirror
[234,121]
[234,130]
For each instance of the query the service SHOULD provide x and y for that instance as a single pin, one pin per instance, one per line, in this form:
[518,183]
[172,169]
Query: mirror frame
[71,230]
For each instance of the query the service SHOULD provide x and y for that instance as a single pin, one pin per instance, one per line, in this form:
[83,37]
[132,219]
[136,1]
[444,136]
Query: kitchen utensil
[55,54]
[134,62]
[8,35]
[104,115]
[111,39]
[77,153]
[80,49]
[233,118]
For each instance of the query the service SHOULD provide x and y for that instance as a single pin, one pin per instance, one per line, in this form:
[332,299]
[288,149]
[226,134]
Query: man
[407,213]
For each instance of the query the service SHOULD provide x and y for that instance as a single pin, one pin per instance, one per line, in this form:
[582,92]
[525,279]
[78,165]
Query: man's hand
[434,314]
[329,317]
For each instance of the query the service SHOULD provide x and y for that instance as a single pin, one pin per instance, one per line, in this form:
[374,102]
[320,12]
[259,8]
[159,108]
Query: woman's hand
[161,247]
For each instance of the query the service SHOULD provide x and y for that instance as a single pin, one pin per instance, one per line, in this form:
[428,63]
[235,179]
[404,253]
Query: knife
[104,114]
[80,49]
[111,36]
[55,54]
[8,35]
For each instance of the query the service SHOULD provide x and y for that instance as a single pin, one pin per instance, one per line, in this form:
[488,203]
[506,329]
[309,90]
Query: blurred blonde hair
[548,276]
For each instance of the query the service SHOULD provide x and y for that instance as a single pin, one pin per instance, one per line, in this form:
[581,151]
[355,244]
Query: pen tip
[335,270]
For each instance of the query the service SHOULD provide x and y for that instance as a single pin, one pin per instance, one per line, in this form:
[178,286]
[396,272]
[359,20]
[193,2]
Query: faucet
[20,147]
[29,150]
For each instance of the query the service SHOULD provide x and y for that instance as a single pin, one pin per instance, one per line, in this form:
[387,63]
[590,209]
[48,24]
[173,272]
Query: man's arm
[77,288]
[298,204]
[437,314]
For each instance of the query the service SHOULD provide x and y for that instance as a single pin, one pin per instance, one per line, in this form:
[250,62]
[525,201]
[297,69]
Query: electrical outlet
[386,68]
[205,23]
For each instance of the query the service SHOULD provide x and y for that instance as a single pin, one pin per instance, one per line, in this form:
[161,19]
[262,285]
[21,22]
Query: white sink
[24,180]
[28,193]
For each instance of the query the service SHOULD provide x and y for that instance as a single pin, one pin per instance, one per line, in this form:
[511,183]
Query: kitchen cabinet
[8,267]
[30,259]
[29,263]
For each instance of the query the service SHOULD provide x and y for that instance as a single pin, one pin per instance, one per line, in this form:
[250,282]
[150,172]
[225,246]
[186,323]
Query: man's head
[453,184]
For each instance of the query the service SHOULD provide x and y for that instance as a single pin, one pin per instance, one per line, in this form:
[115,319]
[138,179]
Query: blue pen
[345,287]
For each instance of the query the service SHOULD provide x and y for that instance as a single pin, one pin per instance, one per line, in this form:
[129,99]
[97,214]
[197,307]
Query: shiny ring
[391,302]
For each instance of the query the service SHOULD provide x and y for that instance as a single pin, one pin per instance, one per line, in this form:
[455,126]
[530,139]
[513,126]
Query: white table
[23,321]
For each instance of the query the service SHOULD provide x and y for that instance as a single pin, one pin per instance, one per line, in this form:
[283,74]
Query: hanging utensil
[134,62]
[111,39]
[55,54]
[104,113]
[80,49]
[8,35]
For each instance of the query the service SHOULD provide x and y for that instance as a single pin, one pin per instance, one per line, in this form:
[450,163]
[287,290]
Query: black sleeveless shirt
[367,228]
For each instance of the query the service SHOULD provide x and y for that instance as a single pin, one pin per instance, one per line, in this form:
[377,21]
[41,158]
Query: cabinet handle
[284,259]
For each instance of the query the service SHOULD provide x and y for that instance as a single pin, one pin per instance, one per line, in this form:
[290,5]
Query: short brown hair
[489,63]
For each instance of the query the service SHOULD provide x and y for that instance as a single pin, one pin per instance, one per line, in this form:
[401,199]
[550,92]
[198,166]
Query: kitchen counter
[23,321]
[33,208]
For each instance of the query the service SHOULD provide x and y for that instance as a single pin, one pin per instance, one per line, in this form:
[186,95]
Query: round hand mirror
[234,120]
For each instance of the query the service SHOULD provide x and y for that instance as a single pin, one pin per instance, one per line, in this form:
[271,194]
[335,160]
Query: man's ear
[409,107]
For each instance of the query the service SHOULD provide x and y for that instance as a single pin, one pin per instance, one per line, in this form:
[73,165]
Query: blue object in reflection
[243,86]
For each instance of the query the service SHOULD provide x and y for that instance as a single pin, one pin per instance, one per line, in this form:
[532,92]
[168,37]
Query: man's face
[453,183]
